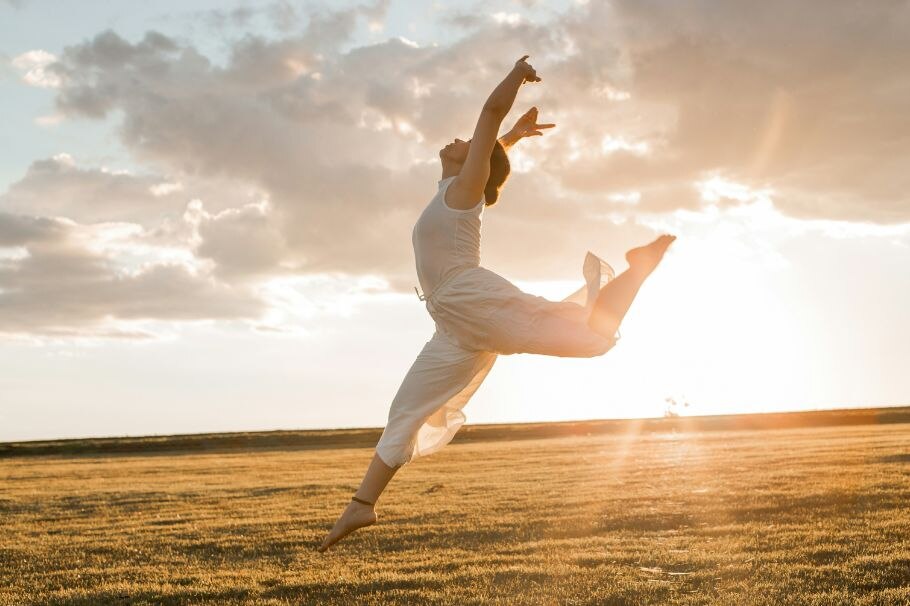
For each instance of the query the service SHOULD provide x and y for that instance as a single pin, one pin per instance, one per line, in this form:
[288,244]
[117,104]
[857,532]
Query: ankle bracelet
[356,500]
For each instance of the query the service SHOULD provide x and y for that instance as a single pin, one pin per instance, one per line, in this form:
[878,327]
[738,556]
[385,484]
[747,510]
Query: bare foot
[356,515]
[644,259]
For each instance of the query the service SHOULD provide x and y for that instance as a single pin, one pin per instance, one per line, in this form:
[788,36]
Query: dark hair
[499,172]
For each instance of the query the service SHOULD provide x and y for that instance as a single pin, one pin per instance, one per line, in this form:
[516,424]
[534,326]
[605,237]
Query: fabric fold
[480,315]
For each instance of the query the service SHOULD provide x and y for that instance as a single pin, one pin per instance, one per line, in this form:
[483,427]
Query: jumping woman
[479,314]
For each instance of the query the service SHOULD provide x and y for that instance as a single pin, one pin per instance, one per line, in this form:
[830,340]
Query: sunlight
[714,326]
[521,161]
[13,253]
[610,144]
[296,67]
[724,325]
[717,188]
[630,197]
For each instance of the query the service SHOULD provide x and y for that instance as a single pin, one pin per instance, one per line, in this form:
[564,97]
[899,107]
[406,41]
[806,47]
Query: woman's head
[454,154]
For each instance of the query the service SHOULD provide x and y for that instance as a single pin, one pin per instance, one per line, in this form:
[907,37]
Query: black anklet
[356,500]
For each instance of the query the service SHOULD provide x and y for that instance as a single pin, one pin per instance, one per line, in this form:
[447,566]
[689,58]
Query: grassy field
[816,515]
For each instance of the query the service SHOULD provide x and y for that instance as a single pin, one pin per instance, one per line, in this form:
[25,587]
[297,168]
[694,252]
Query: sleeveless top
[446,240]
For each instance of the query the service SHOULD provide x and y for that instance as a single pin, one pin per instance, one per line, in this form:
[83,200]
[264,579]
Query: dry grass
[795,516]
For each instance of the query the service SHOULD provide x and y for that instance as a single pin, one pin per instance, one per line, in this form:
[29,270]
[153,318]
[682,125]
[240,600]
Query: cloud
[63,186]
[347,159]
[17,230]
[32,65]
[242,242]
[811,123]
[65,285]
[305,154]
[805,99]
[58,187]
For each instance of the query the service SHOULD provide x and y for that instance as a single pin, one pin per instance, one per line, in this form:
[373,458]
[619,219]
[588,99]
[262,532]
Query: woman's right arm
[467,188]
[503,96]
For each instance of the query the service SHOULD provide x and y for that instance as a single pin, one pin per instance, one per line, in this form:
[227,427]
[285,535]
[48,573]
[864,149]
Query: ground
[791,516]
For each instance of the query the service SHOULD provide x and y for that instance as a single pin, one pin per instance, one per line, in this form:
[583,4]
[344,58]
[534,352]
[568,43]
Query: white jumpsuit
[478,315]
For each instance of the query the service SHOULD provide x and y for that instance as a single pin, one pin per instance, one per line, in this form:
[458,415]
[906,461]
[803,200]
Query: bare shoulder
[457,197]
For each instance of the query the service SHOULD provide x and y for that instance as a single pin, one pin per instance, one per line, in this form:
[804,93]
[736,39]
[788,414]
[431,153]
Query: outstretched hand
[527,125]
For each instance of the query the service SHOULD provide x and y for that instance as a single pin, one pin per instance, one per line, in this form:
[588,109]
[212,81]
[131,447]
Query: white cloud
[503,17]
[610,144]
[630,197]
[165,188]
[33,66]
[341,140]
[49,120]
[72,283]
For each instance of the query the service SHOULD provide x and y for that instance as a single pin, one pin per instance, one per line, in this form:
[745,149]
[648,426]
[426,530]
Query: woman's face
[456,151]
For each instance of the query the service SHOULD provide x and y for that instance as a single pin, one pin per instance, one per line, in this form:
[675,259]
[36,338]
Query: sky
[206,207]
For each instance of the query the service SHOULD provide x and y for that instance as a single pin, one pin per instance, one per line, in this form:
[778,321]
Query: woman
[479,314]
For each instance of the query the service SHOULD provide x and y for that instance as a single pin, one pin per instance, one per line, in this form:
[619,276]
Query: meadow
[800,515]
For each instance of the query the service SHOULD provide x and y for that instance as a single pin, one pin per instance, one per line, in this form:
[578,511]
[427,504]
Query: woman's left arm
[526,126]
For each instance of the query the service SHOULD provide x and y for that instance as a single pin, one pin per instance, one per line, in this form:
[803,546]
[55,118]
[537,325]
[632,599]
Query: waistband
[429,297]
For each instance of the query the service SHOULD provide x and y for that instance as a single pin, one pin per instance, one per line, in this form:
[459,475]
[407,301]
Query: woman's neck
[450,170]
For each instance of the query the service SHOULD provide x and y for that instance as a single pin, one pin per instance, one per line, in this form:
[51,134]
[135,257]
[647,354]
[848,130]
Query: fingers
[539,126]
[531,76]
